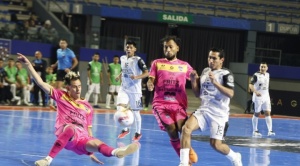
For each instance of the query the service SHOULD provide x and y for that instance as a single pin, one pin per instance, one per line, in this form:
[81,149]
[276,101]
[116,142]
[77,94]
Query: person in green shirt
[51,80]
[94,79]
[114,71]
[10,78]
[23,82]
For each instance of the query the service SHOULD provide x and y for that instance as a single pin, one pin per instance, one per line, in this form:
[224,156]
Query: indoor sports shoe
[42,162]
[137,137]
[238,160]
[193,156]
[126,150]
[271,133]
[107,106]
[123,133]
[256,134]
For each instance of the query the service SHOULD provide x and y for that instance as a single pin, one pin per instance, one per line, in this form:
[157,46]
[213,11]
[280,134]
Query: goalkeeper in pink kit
[168,79]
[74,121]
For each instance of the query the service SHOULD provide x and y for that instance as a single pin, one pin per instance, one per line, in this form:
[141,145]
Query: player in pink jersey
[168,78]
[74,121]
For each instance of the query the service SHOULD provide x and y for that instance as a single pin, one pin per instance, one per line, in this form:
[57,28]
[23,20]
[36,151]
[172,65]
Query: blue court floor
[27,136]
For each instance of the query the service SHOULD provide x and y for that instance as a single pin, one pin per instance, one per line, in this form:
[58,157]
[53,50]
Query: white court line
[24,162]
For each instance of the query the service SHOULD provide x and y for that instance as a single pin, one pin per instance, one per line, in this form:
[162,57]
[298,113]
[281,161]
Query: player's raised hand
[22,58]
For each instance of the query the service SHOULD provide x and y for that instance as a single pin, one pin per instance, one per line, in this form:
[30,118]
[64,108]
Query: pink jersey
[77,112]
[170,79]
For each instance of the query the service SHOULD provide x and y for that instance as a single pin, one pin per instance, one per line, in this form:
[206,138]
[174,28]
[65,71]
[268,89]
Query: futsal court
[27,134]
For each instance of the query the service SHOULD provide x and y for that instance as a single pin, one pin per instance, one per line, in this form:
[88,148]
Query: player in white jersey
[259,85]
[215,88]
[134,70]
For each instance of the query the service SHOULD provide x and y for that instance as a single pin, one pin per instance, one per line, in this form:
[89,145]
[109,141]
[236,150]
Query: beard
[172,57]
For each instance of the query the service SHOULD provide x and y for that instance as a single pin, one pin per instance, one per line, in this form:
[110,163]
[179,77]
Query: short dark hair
[11,59]
[97,53]
[219,50]
[64,40]
[263,63]
[168,38]
[131,42]
[71,76]
[116,56]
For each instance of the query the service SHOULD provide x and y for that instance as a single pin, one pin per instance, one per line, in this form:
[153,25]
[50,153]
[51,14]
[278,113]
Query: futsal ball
[124,117]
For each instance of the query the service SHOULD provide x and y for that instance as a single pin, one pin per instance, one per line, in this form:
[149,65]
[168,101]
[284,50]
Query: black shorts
[60,75]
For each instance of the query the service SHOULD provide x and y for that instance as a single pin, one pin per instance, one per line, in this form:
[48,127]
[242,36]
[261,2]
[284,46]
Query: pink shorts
[78,142]
[168,114]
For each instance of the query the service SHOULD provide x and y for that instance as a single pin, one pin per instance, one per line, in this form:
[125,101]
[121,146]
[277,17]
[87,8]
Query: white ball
[124,117]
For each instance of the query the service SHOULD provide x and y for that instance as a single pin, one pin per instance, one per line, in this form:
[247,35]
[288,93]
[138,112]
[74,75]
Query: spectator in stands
[66,62]
[39,65]
[32,31]
[5,96]
[10,78]
[48,33]
[23,81]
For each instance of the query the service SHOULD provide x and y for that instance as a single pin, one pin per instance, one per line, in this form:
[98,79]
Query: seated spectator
[48,33]
[10,78]
[33,31]
[23,81]
[21,30]
[6,95]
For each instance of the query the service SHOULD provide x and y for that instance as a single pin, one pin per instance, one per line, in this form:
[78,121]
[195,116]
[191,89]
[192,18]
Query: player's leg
[190,125]
[135,101]
[167,123]
[89,91]
[63,138]
[181,117]
[217,125]
[257,109]
[108,96]
[116,92]
[267,111]
[96,93]
[123,100]
[95,145]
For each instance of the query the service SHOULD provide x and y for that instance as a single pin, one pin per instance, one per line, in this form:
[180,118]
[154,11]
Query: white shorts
[133,99]
[95,88]
[114,88]
[262,105]
[208,121]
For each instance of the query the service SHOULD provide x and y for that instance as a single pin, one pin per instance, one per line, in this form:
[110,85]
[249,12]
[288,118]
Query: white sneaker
[238,160]
[126,150]
[42,162]
[256,134]
[271,133]
[107,106]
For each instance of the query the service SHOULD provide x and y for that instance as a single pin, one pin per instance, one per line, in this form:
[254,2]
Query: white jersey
[212,100]
[261,84]
[132,66]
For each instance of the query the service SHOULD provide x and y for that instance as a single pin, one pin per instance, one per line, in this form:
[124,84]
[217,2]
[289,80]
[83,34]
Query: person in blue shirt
[39,65]
[66,62]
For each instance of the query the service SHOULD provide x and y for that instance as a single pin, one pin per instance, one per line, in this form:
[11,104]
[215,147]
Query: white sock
[254,123]
[231,155]
[95,98]
[269,122]
[115,99]
[184,156]
[49,159]
[87,96]
[108,97]
[125,129]
[138,121]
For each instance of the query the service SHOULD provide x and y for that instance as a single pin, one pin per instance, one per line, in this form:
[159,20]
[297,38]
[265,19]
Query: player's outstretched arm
[46,87]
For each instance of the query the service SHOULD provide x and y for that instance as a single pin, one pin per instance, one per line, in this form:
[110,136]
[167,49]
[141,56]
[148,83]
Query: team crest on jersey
[180,68]
[230,78]
[171,67]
